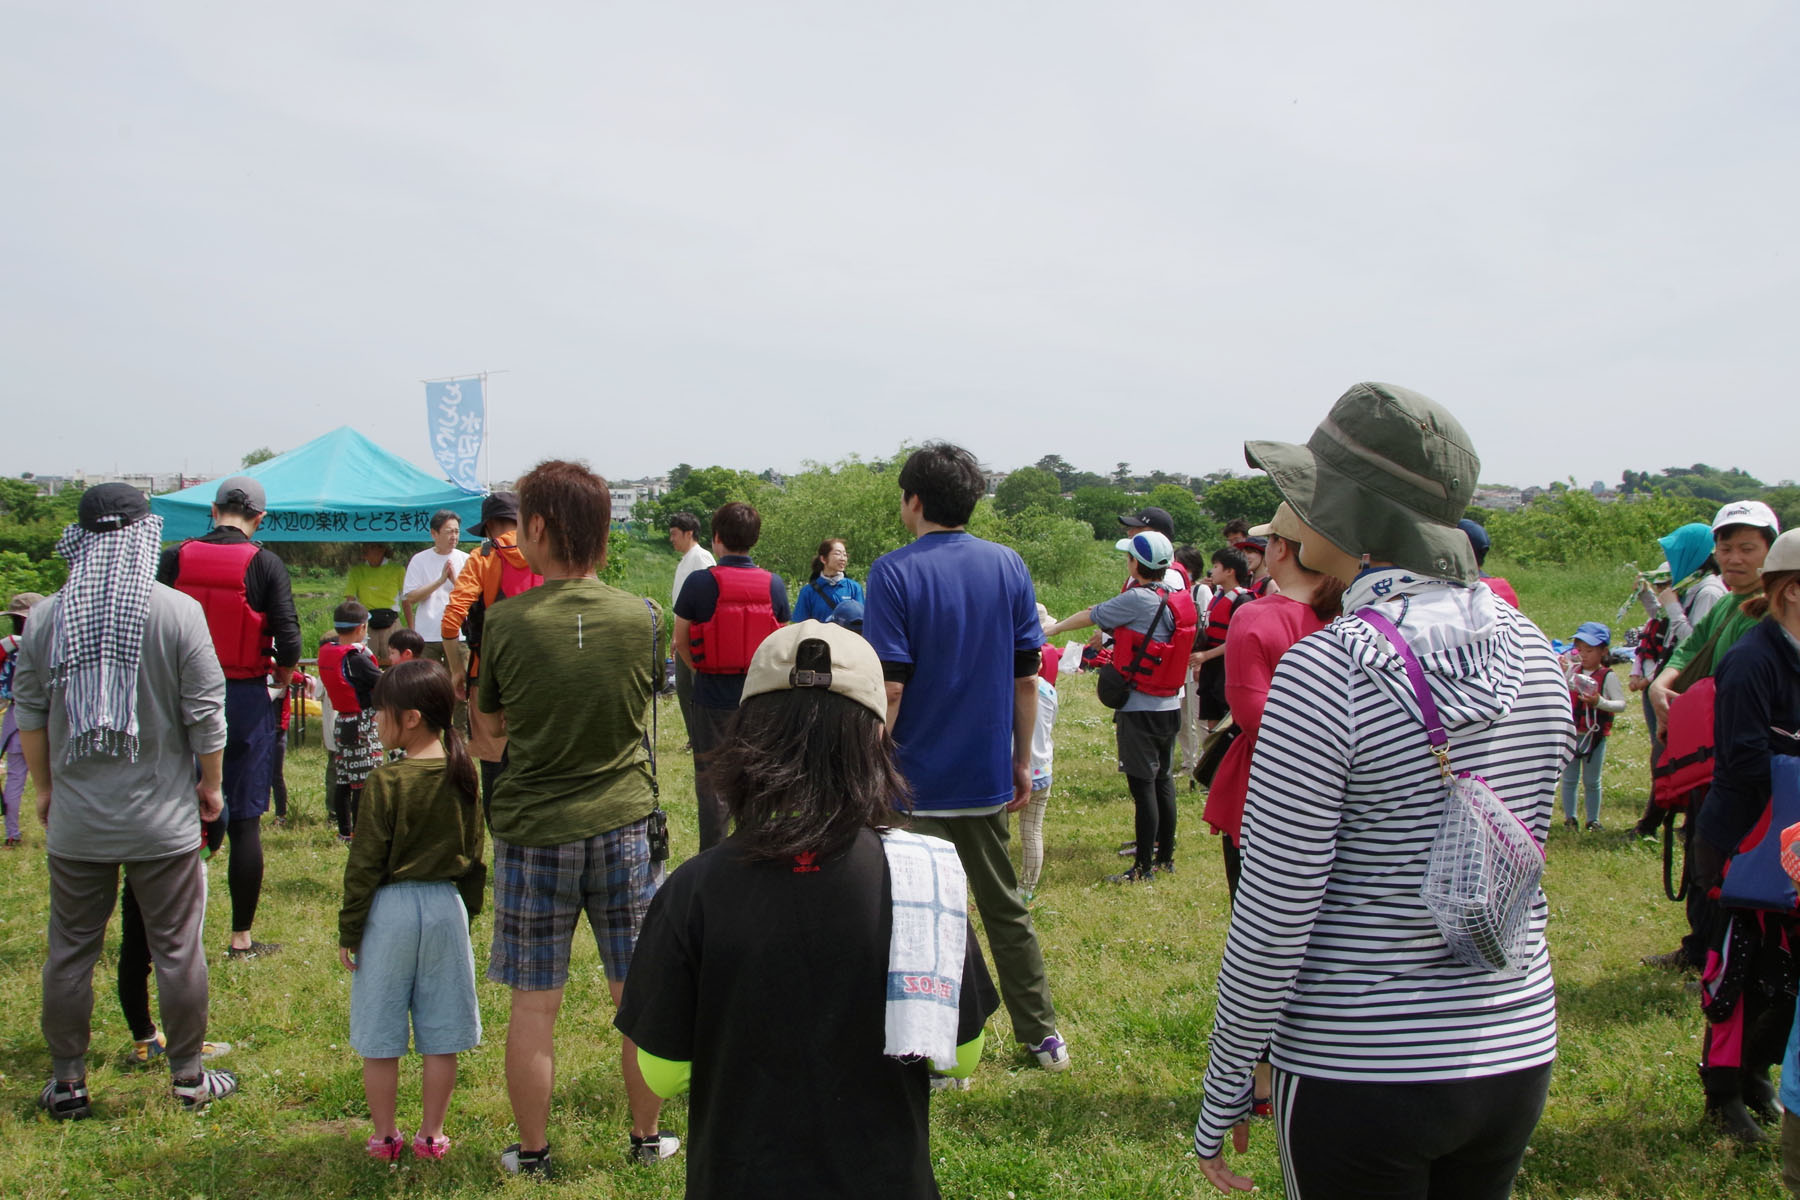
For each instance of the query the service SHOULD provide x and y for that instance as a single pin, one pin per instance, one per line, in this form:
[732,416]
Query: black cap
[109,506]
[497,506]
[1153,518]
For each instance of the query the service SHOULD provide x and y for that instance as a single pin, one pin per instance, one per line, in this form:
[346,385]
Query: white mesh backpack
[1482,875]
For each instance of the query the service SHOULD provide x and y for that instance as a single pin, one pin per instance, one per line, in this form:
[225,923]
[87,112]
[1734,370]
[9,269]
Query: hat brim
[1358,521]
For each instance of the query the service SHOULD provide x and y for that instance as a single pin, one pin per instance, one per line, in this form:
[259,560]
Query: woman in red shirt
[1260,634]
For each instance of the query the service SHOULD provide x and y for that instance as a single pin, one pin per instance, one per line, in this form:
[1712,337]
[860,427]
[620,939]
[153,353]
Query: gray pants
[706,730]
[173,899]
[684,696]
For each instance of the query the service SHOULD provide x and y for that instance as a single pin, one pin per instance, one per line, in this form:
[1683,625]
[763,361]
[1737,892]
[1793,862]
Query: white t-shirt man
[426,565]
[697,556]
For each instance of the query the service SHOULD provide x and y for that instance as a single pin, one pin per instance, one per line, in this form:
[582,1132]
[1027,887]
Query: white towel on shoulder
[925,949]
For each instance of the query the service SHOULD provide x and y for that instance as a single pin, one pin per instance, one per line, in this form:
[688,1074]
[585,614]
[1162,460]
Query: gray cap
[243,490]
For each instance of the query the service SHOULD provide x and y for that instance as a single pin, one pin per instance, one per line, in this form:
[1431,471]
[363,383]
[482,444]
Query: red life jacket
[213,574]
[1218,615]
[741,620]
[495,586]
[1686,763]
[331,674]
[1165,663]
[1592,718]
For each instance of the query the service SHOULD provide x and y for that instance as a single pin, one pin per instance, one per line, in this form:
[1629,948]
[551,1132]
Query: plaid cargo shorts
[541,891]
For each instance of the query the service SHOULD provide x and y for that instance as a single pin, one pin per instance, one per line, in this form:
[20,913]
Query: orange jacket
[479,580]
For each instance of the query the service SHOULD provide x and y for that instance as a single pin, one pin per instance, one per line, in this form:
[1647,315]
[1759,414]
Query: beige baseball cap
[1317,552]
[845,664]
[1784,555]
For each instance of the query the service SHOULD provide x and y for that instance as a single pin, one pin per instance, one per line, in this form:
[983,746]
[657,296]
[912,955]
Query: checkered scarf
[97,634]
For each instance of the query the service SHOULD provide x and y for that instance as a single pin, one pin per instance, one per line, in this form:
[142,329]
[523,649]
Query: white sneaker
[654,1148]
[1052,1053]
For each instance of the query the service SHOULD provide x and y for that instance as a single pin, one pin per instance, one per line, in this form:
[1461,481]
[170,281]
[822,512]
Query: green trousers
[1018,963]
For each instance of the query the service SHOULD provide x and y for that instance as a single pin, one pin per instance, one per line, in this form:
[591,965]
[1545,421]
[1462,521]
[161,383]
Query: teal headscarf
[1687,548]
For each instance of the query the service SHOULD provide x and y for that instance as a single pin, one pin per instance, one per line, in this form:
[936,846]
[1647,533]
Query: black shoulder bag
[1113,687]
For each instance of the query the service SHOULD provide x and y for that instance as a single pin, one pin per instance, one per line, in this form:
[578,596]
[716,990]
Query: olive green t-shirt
[1727,619]
[411,825]
[572,665]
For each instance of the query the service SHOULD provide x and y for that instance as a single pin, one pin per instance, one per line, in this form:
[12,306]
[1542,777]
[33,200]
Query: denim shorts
[540,893]
[415,959]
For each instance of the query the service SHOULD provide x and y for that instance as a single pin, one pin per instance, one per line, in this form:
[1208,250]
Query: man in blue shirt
[954,621]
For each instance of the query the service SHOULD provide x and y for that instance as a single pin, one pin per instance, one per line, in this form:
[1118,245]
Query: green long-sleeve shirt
[411,824]
[1727,619]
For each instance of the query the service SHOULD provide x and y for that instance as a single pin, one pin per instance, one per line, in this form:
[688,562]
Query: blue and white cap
[1149,547]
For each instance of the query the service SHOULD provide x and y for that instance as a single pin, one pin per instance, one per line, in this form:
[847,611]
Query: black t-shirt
[771,979]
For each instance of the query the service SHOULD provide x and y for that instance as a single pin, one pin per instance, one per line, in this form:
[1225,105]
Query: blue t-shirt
[810,606]
[957,609]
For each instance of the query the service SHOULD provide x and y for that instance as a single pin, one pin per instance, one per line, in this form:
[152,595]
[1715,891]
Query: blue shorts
[252,723]
[415,959]
[540,893]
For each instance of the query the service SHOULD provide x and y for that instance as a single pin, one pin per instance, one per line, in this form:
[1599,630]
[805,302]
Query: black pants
[1146,742]
[1462,1140]
[244,872]
[278,775]
[1704,866]
[134,968]
[343,807]
[490,775]
[1234,865]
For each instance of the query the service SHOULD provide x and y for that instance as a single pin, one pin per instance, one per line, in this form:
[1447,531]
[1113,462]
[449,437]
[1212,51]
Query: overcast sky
[760,233]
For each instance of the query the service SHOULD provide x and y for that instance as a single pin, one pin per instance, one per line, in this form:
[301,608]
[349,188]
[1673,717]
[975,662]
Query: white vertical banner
[456,416]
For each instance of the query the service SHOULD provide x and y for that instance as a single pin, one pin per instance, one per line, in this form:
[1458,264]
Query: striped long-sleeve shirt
[1333,962]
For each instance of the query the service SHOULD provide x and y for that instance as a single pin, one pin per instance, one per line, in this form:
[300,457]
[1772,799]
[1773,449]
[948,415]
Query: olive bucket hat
[1388,473]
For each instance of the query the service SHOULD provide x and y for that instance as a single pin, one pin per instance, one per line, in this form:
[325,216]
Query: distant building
[1505,498]
[627,492]
[995,479]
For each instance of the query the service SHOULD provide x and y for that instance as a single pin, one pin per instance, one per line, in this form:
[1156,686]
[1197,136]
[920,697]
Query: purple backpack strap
[1415,675]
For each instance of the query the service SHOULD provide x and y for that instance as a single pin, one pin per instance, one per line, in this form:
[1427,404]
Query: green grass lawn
[1132,972]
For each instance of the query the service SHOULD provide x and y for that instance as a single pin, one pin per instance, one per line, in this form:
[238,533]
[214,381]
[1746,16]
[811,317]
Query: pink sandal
[429,1147]
[387,1149]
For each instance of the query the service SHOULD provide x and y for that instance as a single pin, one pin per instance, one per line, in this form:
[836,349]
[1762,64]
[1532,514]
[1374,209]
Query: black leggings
[344,800]
[1462,1140]
[134,968]
[245,871]
[278,775]
[1155,801]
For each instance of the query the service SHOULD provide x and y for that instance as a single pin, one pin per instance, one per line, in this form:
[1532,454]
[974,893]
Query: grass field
[1132,972]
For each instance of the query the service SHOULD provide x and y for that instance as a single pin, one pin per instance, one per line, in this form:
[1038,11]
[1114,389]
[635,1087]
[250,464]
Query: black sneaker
[654,1148]
[1595,827]
[254,950]
[1674,960]
[65,1099]
[1162,868]
[197,1092]
[515,1161]
[1571,823]
[1136,874]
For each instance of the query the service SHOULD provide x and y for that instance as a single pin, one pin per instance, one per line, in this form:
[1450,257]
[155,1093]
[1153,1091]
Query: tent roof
[339,487]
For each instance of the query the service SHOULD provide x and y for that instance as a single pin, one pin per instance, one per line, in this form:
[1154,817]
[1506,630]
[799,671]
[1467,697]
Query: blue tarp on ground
[337,488]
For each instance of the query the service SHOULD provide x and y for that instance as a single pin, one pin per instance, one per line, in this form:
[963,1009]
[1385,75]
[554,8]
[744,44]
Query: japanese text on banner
[456,414]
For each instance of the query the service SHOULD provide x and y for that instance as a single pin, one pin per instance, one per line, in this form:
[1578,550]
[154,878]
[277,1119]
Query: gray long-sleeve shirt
[108,809]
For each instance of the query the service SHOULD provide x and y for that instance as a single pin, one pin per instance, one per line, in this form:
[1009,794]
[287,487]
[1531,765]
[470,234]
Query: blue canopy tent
[340,487]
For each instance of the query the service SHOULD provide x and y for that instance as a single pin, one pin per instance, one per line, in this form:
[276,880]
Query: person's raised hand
[1219,1174]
